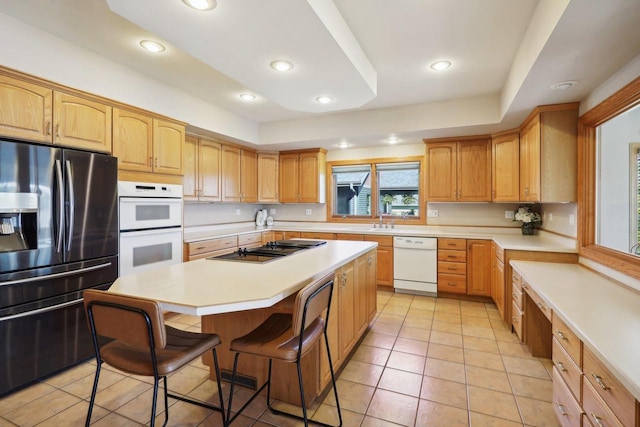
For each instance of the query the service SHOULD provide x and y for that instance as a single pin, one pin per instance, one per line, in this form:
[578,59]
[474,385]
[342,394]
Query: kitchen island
[234,297]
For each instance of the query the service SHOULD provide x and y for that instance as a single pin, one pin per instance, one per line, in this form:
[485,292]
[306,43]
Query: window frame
[375,191]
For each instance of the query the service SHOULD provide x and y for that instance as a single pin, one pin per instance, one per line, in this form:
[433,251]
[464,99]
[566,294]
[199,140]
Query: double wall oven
[58,237]
[150,226]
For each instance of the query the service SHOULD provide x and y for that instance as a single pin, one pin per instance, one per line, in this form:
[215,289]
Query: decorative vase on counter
[528,229]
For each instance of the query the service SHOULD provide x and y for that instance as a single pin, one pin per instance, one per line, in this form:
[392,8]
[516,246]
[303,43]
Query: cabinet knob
[597,420]
[58,130]
[560,366]
[561,334]
[560,407]
[600,381]
[48,128]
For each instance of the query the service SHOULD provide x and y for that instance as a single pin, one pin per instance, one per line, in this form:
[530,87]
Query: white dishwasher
[415,265]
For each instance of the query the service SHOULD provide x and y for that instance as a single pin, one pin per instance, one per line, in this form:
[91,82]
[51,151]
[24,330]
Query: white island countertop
[215,286]
[506,238]
[604,314]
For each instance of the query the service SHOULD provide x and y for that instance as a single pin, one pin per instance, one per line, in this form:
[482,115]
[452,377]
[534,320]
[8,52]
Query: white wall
[198,214]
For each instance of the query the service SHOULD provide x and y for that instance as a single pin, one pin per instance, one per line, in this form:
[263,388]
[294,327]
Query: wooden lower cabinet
[479,267]
[352,285]
[316,235]
[567,409]
[384,275]
[209,248]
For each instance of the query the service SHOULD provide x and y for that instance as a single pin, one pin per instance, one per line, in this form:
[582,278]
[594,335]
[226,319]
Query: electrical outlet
[508,214]
[272,211]
[572,219]
[307,211]
[432,213]
[550,216]
[238,212]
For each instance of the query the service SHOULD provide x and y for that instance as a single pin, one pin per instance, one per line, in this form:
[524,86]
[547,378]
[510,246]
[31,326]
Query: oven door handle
[42,310]
[56,275]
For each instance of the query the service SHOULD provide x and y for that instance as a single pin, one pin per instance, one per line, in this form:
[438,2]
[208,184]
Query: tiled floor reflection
[424,362]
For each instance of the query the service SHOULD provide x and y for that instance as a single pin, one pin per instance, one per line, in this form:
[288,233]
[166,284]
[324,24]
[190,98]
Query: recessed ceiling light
[324,99]
[343,144]
[393,140]
[440,65]
[201,4]
[247,97]
[564,85]
[152,46]
[281,65]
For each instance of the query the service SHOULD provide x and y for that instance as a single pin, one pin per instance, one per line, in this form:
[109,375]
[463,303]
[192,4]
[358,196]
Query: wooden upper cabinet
[458,171]
[505,155]
[201,180]
[268,177]
[231,173]
[133,140]
[25,110]
[249,176]
[548,150]
[302,176]
[168,141]
[441,171]
[81,123]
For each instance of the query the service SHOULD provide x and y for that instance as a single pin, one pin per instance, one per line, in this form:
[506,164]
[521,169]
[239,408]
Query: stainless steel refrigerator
[58,236]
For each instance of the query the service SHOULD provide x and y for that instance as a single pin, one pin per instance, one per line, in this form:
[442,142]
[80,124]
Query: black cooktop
[269,252]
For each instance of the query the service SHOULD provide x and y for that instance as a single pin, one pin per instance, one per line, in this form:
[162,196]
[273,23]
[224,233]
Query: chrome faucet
[380,213]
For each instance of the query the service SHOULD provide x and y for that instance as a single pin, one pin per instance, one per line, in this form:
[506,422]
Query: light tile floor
[424,362]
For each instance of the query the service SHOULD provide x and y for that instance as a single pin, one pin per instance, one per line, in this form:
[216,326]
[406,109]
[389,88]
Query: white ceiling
[371,56]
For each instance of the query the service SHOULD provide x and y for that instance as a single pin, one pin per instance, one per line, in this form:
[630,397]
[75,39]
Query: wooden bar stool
[288,337]
[141,344]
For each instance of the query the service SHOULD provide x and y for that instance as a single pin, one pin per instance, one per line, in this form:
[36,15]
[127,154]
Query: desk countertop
[603,314]
[214,286]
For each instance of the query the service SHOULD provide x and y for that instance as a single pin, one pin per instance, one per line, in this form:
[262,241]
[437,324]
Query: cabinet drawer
[452,267]
[317,235]
[212,245]
[458,244]
[212,253]
[382,240]
[542,305]
[247,239]
[516,295]
[452,255]
[516,280]
[568,340]
[567,410]
[598,413]
[567,368]
[609,388]
[452,283]
[516,319]
[349,236]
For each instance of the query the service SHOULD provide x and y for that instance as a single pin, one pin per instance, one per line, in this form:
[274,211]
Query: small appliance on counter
[269,221]
[261,217]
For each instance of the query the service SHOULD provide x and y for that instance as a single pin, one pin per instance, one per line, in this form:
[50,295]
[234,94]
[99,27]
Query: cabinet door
[81,123]
[168,141]
[530,161]
[289,178]
[230,174]
[479,267]
[347,304]
[132,140]
[332,336]
[474,171]
[25,110]
[384,275]
[209,158]
[268,177]
[249,176]
[499,290]
[441,172]
[505,152]
[309,179]
[360,295]
[190,185]
[371,286]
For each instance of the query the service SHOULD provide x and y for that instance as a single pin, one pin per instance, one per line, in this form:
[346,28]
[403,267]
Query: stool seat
[275,339]
[181,348]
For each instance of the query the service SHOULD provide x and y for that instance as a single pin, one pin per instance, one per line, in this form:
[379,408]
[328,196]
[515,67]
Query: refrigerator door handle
[42,310]
[60,206]
[56,275]
[72,204]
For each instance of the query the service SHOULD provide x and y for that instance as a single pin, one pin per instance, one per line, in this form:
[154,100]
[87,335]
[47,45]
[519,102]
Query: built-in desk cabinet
[459,169]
